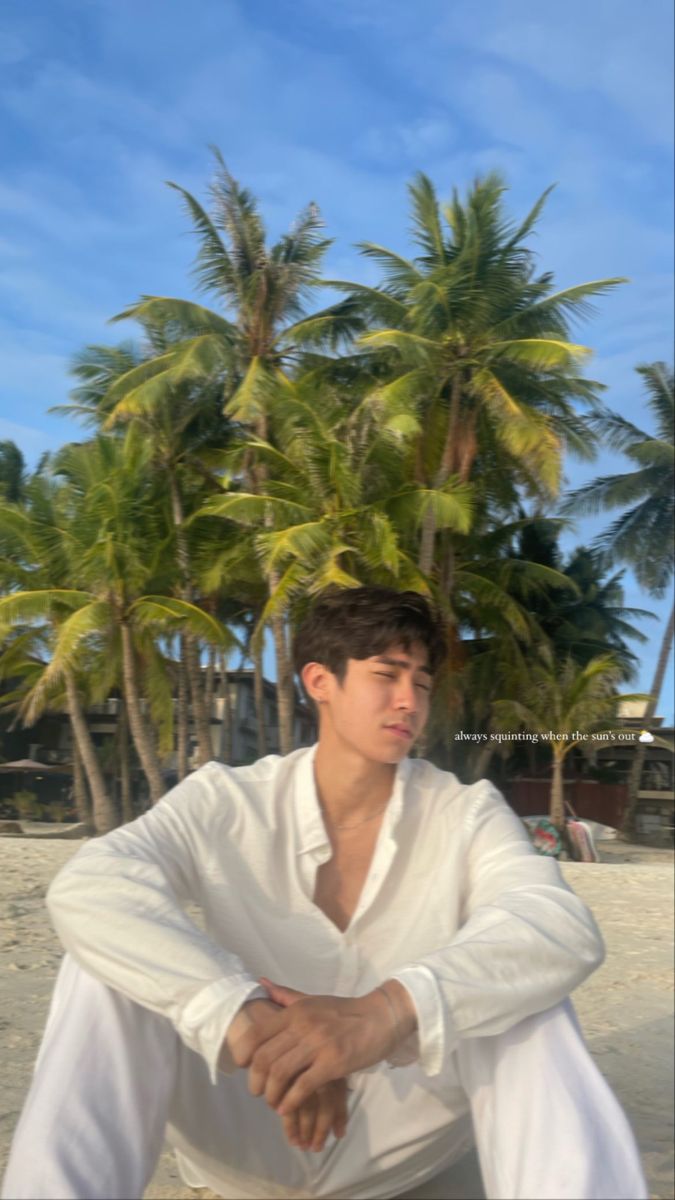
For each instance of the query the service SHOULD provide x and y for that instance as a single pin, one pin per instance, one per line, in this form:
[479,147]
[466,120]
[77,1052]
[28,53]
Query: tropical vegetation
[242,456]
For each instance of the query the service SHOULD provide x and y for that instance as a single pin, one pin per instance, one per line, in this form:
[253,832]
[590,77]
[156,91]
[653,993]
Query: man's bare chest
[340,880]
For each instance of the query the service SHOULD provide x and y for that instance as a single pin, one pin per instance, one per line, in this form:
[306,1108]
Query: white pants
[112,1079]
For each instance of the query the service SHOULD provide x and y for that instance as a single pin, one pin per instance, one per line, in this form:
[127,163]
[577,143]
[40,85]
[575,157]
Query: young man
[381,956]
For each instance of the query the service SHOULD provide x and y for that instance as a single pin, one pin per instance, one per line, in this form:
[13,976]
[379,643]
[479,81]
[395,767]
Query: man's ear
[316,680]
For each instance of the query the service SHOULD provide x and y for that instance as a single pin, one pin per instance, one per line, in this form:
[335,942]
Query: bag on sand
[544,836]
[581,838]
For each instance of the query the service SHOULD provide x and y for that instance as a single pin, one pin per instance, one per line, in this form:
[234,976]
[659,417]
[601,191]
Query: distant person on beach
[379,979]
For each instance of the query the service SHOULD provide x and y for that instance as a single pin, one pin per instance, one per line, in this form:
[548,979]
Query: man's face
[381,706]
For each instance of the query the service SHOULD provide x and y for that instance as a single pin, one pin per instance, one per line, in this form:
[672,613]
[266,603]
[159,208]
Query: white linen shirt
[456,905]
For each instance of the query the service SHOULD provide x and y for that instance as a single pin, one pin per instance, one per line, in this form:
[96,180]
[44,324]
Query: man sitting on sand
[380,976]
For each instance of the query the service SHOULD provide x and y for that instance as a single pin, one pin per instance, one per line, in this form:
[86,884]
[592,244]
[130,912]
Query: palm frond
[213,269]
[307,542]
[253,394]
[400,273]
[174,613]
[452,506]
[330,327]
[376,304]
[236,213]
[247,508]
[660,384]
[184,318]
[540,353]
[426,220]
[22,607]
[414,350]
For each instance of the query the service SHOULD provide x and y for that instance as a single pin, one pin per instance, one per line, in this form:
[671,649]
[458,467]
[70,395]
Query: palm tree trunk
[259,701]
[482,762]
[628,825]
[201,714]
[143,741]
[209,688]
[125,765]
[103,814]
[285,690]
[557,807]
[226,714]
[448,567]
[80,796]
[425,560]
[182,723]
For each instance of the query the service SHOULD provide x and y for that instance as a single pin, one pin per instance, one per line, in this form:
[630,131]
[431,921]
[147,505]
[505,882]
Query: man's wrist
[393,997]
[403,1004]
[240,1025]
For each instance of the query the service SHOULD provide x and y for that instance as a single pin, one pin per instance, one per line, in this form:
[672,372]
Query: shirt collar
[309,818]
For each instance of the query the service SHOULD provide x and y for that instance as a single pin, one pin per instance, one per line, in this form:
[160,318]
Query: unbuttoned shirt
[456,906]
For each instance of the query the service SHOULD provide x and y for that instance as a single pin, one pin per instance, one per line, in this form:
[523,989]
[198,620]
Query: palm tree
[129,565]
[339,506]
[587,615]
[12,472]
[265,290]
[37,567]
[499,597]
[570,702]
[178,425]
[479,348]
[116,541]
[643,535]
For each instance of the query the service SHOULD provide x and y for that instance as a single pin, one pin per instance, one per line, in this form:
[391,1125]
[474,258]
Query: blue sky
[104,100]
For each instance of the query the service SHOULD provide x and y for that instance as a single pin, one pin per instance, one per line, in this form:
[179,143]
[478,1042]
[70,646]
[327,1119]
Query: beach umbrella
[30,765]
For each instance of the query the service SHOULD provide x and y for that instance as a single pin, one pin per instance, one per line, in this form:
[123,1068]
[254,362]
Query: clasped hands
[299,1050]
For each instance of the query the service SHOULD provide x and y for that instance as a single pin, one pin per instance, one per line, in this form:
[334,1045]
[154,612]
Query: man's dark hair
[346,623]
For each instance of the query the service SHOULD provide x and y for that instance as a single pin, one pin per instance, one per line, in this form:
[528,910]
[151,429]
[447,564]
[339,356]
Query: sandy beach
[626,1008]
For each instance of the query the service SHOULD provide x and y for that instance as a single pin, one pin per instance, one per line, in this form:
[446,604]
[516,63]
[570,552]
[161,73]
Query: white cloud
[412,141]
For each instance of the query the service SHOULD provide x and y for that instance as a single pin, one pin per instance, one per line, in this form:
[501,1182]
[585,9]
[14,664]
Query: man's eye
[424,687]
[385,674]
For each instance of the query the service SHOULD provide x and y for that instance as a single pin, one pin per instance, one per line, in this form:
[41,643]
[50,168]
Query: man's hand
[319,1039]
[324,1112]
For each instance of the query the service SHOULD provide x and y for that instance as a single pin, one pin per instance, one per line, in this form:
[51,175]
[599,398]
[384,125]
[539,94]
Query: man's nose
[406,697]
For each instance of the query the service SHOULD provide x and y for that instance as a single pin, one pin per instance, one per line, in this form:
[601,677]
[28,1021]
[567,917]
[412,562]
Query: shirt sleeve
[118,908]
[525,942]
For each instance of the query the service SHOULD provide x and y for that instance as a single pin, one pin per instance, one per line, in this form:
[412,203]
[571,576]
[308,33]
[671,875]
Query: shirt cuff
[436,1035]
[205,1021]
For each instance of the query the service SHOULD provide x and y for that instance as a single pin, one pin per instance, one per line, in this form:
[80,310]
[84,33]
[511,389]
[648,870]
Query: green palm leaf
[175,613]
[542,353]
[250,509]
[21,607]
[307,542]
[426,220]
[416,350]
[213,269]
[185,317]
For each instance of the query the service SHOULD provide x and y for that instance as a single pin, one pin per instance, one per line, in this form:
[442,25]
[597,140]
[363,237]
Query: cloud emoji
[646,736]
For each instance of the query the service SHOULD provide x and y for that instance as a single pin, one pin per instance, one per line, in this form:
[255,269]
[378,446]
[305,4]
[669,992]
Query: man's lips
[400,730]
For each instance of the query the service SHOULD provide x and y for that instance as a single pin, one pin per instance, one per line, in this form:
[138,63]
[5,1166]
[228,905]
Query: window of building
[657,777]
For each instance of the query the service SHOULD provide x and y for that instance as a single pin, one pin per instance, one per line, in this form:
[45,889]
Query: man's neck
[349,787]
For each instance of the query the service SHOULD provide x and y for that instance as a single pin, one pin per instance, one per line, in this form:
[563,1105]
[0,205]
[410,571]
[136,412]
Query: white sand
[626,1008]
